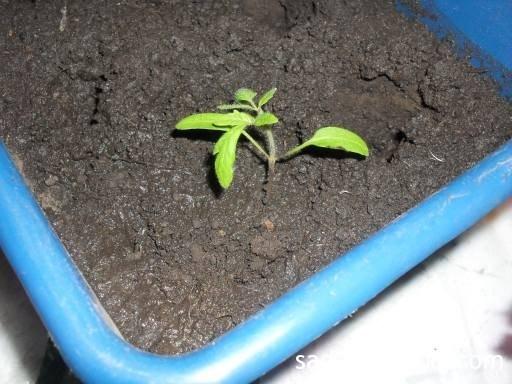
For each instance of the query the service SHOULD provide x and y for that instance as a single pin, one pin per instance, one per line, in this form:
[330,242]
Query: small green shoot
[244,113]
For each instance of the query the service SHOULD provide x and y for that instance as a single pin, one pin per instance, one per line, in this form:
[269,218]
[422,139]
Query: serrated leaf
[214,121]
[245,94]
[225,155]
[335,138]
[266,118]
[235,106]
[266,97]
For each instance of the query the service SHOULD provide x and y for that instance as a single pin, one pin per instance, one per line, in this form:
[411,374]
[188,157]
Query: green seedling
[245,113]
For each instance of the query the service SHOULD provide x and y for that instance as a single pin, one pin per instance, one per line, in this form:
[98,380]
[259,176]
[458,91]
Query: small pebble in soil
[51,180]
[268,225]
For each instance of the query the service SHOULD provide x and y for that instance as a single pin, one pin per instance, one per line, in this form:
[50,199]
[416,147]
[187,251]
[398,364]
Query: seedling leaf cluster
[245,113]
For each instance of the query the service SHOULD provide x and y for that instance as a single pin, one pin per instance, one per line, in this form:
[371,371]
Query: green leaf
[266,97]
[235,106]
[215,121]
[225,155]
[266,118]
[335,138]
[245,94]
[238,118]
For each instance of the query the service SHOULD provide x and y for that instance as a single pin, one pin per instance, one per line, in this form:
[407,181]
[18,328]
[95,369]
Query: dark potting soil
[90,93]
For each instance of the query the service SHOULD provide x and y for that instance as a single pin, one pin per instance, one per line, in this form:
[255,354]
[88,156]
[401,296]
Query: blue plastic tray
[93,348]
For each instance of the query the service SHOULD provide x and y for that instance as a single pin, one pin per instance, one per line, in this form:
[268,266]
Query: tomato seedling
[245,113]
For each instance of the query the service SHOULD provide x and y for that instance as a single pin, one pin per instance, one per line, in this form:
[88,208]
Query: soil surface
[90,93]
